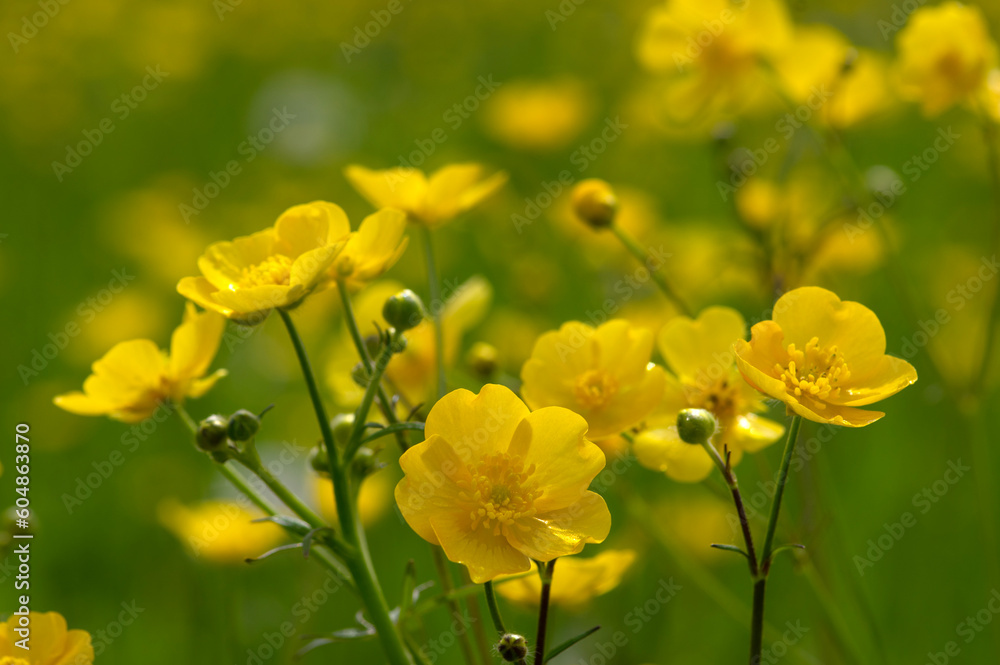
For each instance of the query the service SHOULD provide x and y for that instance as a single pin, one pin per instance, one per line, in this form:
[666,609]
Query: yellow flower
[51,643]
[711,51]
[134,378]
[371,250]
[945,53]
[604,374]
[823,358]
[374,497]
[575,582]
[277,267]
[432,201]
[220,531]
[541,116]
[497,486]
[699,352]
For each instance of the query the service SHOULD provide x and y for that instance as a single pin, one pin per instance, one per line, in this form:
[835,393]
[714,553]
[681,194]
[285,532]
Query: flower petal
[476,425]
[663,450]
[487,555]
[692,347]
[429,487]
[562,532]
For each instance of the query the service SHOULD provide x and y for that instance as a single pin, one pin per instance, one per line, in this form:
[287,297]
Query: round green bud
[483,359]
[319,460]
[212,433]
[365,462]
[512,648]
[398,344]
[342,424]
[360,375]
[403,311]
[243,425]
[595,203]
[696,426]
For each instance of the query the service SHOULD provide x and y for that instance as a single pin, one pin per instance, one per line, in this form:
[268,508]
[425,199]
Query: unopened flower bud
[512,648]
[243,425]
[696,426]
[482,359]
[360,375]
[342,424]
[365,462]
[319,460]
[404,310]
[212,433]
[595,203]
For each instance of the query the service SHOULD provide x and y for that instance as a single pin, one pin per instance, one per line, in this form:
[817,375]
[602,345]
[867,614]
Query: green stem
[491,602]
[543,611]
[640,253]
[437,304]
[757,621]
[361,415]
[251,460]
[730,478]
[441,565]
[993,313]
[358,560]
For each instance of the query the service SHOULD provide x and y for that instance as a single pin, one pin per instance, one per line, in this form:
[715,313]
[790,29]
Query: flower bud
[212,433]
[482,359]
[360,375]
[243,425]
[365,462]
[696,426]
[512,648]
[404,310]
[319,460]
[342,424]
[595,203]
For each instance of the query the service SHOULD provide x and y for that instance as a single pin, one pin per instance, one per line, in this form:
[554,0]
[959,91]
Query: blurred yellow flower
[51,642]
[575,582]
[497,486]
[538,115]
[699,353]
[604,374]
[945,53]
[371,250]
[696,520]
[712,52]
[823,358]
[220,531]
[277,267]
[134,378]
[374,497]
[447,193]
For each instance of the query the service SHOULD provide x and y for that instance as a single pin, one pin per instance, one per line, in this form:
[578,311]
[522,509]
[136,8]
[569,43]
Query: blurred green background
[228,65]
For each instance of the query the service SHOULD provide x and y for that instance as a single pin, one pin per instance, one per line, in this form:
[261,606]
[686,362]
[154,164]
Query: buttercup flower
[823,358]
[432,201]
[277,267]
[538,115]
[220,531]
[576,581]
[134,378]
[497,485]
[945,53]
[51,642]
[371,250]
[604,374]
[699,352]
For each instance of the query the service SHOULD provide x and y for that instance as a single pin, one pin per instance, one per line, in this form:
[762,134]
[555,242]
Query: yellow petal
[487,555]
[693,347]
[751,433]
[402,188]
[429,488]
[476,425]
[305,227]
[194,343]
[562,532]
[663,450]
[882,379]
[223,263]
[199,290]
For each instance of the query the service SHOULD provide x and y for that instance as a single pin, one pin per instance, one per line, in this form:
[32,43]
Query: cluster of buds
[215,432]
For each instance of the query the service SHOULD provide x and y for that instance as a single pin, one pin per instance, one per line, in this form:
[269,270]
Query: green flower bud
[696,426]
[212,433]
[243,425]
[360,375]
[595,203]
[365,462]
[319,460]
[342,424]
[512,648]
[404,310]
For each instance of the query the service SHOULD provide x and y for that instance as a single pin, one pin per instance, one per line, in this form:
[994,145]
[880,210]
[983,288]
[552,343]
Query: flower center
[816,370]
[594,389]
[499,491]
[274,270]
[723,398]
[345,266]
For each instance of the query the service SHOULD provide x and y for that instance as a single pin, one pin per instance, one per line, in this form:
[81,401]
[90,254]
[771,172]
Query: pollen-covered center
[818,371]
[499,490]
[723,398]
[273,271]
[594,389]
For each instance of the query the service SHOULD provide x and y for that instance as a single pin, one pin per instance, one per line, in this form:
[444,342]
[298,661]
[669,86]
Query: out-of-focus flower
[538,115]
[945,53]
[575,582]
[373,500]
[51,642]
[699,353]
[277,267]
[220,531]
[429,201]
[712,52]
[841,85]
[823,358]
[497,486]
[604,374]
[134,378]
[371,250]
[700,519]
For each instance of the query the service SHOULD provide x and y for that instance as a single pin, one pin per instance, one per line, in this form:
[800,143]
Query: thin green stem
[757,621]
[772,520]
[993,153]
[491,602]
[733,484]
[251,460]
[543,611]
[441,565]
[643,256]
[361,416]
[437,304]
